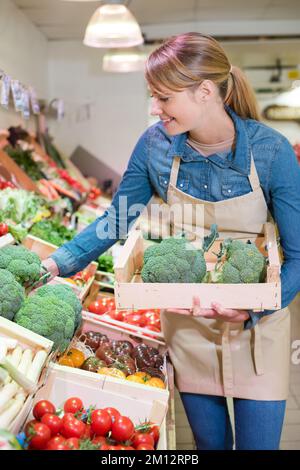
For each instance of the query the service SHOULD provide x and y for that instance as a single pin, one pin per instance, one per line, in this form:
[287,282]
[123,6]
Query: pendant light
[124,60]
[112,25]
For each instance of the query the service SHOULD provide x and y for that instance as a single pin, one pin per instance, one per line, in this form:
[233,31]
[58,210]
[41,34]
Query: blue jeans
[258,424]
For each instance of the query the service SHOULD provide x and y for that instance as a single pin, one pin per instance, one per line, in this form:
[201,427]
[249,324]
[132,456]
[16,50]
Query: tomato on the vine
[41,408]
[73,443]
[101,422]
[57,443]
[38,435]
[73,405]
[53,422]
[142,438]
[114,414]
[72,427]
[144,447]
[122,429]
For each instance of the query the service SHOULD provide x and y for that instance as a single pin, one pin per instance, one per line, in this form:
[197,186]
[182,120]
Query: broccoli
[239,263]
[173,260]
[22,263]
[66,294]
[50,317]
[11,295]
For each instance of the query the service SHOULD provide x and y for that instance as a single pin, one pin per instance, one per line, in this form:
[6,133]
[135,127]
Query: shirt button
[229,190]
[166,181]
[205,186]
[181,185]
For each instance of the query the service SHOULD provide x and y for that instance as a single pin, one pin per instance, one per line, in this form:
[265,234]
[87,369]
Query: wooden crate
[6,240]
[42,248]
[132,292]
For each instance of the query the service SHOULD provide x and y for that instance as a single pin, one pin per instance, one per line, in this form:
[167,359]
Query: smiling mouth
[166,121]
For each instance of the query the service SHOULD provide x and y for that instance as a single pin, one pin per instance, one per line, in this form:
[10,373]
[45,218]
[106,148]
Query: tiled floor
[290,439]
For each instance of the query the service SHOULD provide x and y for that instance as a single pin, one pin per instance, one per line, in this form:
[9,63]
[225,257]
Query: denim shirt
[212,178]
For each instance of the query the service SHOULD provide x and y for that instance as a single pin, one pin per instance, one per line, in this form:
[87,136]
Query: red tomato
[100,441]
[38,435]
[99,307]
[122,429]
[3,229]
[101,422]
[42,407]
[72,428]
[88,433]
[53,422]
[72,405]
[114,414]
[105,447]
[72,443]
[142,438]
[118,315]
[57,443]
[135,319]
[144,447]
[154,432]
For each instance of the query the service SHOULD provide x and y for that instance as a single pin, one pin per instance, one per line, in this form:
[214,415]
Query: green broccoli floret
[22,263]
[66,294]
[173,260]
[11,295]
[243,264]
[50,317]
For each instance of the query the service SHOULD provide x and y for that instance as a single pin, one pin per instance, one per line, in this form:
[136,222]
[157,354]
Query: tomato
[66,360]
[136,379]
[88,433]
[156,382]
[99,307]
[3,229]
[76,356]
[72,427]
[135,319]
[112,372]
[114,414]
[118,315]
[57,443]
[38,435]
[122,429]
[100,441]
[72,443]
[72,405]
[142,438]
[42,407]
[53,422]
[144,447]
[154,432]
[105,447]
[101,422]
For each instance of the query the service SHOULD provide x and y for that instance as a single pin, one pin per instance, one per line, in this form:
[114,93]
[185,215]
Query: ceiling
[65,20]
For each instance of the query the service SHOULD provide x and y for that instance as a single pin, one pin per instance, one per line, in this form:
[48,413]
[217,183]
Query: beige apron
[214,357]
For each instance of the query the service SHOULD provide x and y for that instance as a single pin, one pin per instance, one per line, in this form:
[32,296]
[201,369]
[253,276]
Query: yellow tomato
[77,357]
[65,361]
[143,376]
[156,382]
[112,372]
[136,379]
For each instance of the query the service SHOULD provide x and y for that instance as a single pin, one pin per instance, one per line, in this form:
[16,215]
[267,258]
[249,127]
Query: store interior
[80,127]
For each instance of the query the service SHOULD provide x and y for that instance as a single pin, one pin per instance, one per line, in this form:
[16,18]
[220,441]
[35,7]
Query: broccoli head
[243,264]
[11,295]
[50,317]
[173,260]
[22,263]
[66,294]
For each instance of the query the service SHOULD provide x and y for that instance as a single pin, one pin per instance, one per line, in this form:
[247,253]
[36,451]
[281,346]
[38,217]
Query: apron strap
[258,353]
[175,170]
[253,177]
[227,366]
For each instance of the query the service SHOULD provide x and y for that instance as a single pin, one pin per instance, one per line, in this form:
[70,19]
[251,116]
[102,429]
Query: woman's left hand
[216,311]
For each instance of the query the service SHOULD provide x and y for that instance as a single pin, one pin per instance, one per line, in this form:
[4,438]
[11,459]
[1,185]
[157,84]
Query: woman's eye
[164,99]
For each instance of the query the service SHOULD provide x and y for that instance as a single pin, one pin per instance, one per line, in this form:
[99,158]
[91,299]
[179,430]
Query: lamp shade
[113,26]
[124,60]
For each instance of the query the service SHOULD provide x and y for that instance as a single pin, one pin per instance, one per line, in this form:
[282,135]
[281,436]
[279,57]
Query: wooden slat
[131,257]
[14,170]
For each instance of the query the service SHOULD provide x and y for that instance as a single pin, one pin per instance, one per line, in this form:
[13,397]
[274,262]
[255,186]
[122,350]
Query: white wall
[117,104]
[23,55]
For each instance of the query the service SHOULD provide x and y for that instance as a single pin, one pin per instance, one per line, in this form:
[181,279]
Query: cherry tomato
[53,422]
[72,443]
[42,407]
[118,315]
[38,435]
[72,428]
[154,432]
[72,405]
[100,441]
[122,429]
[3,229]
[101,422]
[114,414]
[144,447]
[105,447]
[88,433]
[142,438]
[99,307]
[57,443]
[135,319]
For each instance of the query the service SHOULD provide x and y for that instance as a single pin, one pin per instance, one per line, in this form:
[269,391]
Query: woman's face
[179,112]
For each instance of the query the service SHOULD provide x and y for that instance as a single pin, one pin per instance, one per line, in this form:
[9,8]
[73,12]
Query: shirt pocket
[235,186]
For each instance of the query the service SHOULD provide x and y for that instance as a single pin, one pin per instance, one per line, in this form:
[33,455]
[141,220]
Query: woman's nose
[155,108]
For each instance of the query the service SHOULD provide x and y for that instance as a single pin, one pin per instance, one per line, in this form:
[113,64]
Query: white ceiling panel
[58,19]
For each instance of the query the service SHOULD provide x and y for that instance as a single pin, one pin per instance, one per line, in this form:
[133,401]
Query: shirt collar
[240,159]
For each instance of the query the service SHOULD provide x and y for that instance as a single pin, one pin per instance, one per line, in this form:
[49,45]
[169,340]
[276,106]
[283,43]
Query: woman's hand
[216,311]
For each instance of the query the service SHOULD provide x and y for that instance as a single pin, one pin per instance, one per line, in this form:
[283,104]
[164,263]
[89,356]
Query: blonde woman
[211,149]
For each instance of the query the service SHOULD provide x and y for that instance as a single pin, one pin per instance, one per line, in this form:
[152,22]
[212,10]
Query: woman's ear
[205,91]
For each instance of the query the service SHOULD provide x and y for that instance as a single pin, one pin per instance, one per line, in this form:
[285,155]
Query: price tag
[5,89]
[34,101]
[17,91]
[25,103]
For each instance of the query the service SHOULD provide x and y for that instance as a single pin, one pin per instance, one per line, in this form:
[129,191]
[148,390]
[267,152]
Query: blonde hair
[186,60]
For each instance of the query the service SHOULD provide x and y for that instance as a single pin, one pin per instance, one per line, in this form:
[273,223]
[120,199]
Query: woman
[210,149]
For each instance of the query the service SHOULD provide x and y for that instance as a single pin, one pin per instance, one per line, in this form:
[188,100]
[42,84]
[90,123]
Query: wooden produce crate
[42,248]
[132,292]
[123,387]
[26,340]
[6,240]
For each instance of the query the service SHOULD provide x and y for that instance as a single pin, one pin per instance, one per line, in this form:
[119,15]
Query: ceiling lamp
[113,25]
[124,60]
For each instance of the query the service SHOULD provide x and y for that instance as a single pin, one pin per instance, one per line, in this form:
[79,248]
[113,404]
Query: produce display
[95,352]
[22,206]
[24,159]
[77,428]
[20,369]
[52,231]
[106,263]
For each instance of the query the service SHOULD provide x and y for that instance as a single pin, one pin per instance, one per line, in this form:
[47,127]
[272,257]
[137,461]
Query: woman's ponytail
[240,96]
